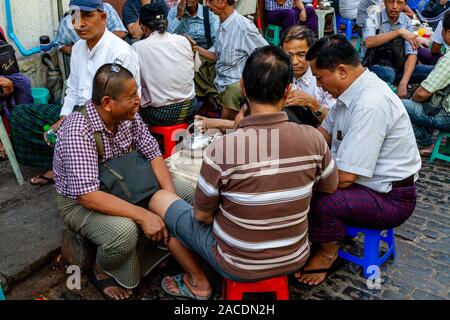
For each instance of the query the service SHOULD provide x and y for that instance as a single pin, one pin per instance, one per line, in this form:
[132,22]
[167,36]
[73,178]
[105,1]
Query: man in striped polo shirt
[249,219]
[374,147]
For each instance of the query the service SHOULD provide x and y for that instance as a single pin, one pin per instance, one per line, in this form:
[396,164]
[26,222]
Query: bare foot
[116,293]
[198,288]
[320,260]
[426,151]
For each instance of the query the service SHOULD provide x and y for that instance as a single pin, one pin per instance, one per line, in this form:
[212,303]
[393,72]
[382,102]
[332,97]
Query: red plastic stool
[233,290]
[170,136]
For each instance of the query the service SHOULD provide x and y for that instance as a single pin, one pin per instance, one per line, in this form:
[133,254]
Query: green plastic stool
[445,149]
[273,34]
[40,95]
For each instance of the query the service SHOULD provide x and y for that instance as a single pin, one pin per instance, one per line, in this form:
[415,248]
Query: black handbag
[129,177]
[390,54]
[8,61]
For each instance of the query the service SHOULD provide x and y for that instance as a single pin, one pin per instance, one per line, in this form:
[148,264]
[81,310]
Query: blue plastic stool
[273,34]
[372,239]
[437,146]
[348,27]
[40,95]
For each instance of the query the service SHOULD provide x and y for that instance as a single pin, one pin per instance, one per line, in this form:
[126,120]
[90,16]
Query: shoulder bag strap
[207,26]
[97,136]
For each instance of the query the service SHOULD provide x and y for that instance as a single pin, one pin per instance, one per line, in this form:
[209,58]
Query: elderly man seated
[307,103]
[392,47]
[167,71]
[425,116]
[107,128]
[236,39]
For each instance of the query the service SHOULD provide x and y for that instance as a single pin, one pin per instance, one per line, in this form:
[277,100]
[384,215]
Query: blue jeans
[388,74]
[423,124]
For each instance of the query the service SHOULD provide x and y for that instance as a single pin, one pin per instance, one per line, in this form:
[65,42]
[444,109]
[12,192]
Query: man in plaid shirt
[114,225]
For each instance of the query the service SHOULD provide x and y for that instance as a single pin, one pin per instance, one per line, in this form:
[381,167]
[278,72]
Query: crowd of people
[347,147]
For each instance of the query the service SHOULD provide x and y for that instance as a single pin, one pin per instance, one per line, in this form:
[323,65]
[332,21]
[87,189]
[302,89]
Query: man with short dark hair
[257,166]
[391,27]
[116,226]
[373,145]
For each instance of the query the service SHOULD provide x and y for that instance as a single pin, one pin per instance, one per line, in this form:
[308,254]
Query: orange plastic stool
[170,136]
[233,290]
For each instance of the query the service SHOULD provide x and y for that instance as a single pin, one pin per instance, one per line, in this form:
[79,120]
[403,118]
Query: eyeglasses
[115,68]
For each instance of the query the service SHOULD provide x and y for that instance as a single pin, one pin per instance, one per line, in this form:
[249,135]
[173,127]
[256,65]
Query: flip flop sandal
[337,264]
[42,177]
[101,285]
[183,290]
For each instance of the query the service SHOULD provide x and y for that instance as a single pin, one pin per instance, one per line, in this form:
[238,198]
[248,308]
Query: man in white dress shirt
[97,47]
[374,148]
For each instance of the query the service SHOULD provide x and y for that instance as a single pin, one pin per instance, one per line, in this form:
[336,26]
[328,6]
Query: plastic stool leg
[348,30]
[371,250]
[437,145]
[10,153]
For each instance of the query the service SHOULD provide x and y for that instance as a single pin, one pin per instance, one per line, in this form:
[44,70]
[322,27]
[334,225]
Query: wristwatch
[318,113]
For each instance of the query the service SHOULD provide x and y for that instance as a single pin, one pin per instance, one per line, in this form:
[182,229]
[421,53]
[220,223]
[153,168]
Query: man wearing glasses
[117,227]
[96,47]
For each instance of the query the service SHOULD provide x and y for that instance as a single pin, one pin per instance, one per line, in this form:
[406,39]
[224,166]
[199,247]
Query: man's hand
[55,128]
[7,86]
[298,98]
[192,42]
[180,9]
[303,15]
[410,37]
[443,2]
[402,90]
[153,227]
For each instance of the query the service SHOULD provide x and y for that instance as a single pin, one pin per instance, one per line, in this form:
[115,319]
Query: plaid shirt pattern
[66,34]
[75,161]
[439,78]
[272,5]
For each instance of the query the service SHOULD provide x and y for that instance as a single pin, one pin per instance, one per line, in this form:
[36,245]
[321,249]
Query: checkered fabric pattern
[360,207]
[272,5]
[27,131]
[76,157]
[170,115]
[438,78]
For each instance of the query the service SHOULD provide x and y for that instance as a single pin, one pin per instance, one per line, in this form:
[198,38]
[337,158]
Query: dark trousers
[291,17]
[358,206]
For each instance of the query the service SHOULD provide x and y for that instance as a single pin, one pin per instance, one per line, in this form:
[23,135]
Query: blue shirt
[236,40]
[131,10]
[66,34]
[193,25]
[371,26]
[372,135]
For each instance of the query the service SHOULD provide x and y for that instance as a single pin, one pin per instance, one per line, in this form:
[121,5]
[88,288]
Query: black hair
[298,33]
[266,75]
[332,51]
[154,16]
[446,21]
[114,86]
